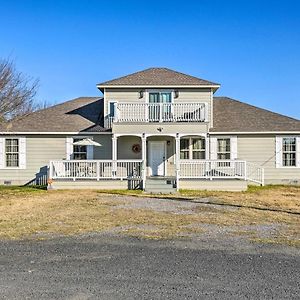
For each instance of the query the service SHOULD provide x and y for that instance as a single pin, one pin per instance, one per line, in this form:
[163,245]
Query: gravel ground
[224,234]
[113,267]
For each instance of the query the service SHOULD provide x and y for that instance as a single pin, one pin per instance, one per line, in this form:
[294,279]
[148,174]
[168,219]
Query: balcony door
[160,106]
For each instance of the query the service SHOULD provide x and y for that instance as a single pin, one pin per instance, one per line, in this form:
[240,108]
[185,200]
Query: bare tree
[17,91]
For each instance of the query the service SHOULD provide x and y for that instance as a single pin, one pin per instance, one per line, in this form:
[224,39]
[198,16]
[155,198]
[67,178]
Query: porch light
[176,94]
[141,94]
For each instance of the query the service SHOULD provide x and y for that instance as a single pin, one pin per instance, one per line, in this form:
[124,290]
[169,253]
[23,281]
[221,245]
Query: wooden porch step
[163,185]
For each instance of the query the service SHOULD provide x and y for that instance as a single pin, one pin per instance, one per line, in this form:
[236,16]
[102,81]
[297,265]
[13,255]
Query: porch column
[177,159]
[144,154]
[114,155]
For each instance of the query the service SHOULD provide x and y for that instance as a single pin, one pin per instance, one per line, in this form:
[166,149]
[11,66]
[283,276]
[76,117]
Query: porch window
[192,148]
[12,152]
[184,148]
[79,151]
[223,149]
[289,152]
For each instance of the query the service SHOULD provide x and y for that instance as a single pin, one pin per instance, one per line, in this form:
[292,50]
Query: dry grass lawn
[29,212]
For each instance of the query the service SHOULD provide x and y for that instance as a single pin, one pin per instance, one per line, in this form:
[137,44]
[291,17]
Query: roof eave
[213,86]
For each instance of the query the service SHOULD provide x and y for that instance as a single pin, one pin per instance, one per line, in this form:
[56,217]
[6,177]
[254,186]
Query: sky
[252,48]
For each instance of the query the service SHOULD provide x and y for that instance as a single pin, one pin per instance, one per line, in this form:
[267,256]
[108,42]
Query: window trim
[279,152]
[73,152]
[226,152]
[70,147]
[22,159]
[5,154]
[108,108]
[191,151]
[149,91]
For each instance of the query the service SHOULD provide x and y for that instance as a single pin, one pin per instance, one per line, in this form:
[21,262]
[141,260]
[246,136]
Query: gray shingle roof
[157,77]
[85,114]
[234,116]
[81,114]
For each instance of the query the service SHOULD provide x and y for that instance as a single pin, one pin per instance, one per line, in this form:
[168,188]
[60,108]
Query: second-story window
[112,112]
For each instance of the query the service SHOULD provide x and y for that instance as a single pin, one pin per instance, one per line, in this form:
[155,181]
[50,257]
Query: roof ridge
[144,71]
[178,72]
[257,107]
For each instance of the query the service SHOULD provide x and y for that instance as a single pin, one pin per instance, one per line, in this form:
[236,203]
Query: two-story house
[158,130]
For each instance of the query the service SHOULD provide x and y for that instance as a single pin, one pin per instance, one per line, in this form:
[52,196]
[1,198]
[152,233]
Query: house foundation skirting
[117,184]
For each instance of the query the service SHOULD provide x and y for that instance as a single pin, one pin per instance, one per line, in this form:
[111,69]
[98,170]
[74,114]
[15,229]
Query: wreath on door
[136,148]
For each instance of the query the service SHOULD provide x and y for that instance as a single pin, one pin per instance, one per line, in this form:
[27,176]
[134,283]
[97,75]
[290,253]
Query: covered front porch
[181,160]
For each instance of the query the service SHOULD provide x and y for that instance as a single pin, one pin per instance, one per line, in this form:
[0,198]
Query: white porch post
[114,155]
[144,155]
[177,159]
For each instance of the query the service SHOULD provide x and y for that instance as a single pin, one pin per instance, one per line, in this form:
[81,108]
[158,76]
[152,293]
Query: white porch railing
[221,169]
[95,169]
[134,169]
[159,112]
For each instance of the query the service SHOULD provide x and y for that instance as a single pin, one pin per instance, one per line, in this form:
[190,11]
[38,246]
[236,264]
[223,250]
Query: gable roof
[82,114]
[157,77]
[230,115]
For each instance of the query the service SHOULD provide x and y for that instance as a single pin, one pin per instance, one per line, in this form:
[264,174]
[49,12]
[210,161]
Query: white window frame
[214,146]
[108,108]
[224,152]
[70,147]
[191,150]
[149,91]
[279,152]
[21,151]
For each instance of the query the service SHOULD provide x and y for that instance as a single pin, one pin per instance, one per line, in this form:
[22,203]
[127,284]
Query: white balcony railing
[95,169]
[159,112]
[221,169]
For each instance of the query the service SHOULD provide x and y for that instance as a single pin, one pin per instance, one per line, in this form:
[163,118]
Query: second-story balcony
[158,112]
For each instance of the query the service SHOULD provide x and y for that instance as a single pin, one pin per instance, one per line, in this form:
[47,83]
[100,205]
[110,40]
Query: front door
[157,158]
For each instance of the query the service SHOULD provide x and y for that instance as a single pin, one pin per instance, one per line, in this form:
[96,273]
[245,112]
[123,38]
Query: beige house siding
[165,128]
[260,150]
[40,149]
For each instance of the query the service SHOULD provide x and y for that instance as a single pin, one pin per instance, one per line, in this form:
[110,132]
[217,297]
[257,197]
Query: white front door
[157,158]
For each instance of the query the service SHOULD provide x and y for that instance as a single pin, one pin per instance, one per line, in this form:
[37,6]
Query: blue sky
[251,47]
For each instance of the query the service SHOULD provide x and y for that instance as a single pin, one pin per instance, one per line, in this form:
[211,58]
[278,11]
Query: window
[12,152]
[112,112]
[184,148]
[223,150]
[289,152]
[198,148]
[192,148]
[79,151]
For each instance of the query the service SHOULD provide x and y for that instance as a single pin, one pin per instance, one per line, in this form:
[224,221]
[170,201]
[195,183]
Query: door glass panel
[154,98]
